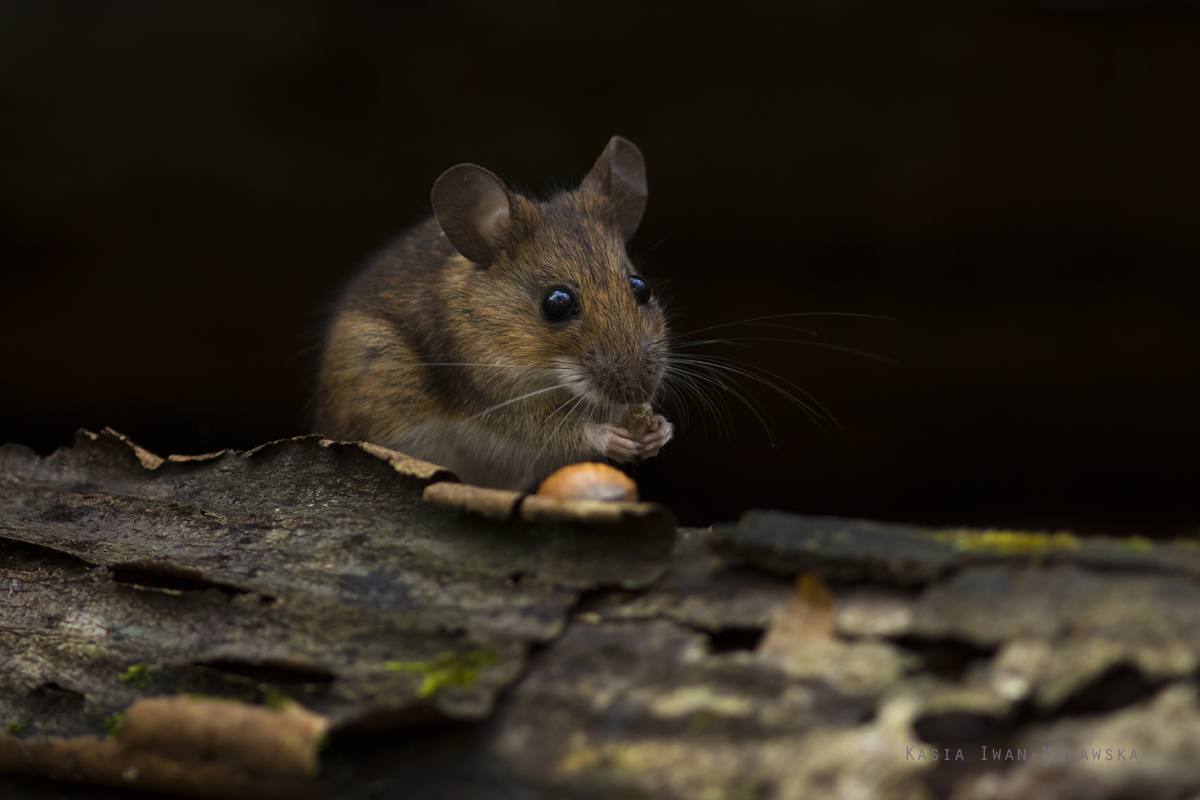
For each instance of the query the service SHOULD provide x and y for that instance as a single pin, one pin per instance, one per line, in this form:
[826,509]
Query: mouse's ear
[473,207]
[620,173]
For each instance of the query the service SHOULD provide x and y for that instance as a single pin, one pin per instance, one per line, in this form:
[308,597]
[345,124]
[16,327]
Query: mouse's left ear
[473,206]
[620,174]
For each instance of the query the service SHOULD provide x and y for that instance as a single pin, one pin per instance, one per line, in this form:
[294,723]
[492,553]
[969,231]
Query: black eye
[641,289]
[559,304]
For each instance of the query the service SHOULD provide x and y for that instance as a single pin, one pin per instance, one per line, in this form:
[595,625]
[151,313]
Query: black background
[183,184]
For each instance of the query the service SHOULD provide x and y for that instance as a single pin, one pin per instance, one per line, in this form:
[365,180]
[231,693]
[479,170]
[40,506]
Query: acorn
[638,420]
[589,481]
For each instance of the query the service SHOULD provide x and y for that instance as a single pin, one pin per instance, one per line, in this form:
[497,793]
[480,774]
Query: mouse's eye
[559,304]
[641,289]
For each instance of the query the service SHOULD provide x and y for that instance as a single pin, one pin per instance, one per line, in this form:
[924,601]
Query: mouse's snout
[617,380]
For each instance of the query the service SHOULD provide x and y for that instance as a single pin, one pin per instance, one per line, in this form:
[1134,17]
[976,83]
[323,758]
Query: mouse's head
[552,285]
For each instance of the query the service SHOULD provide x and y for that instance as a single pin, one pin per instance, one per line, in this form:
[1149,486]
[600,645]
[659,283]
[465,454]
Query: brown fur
[392,367]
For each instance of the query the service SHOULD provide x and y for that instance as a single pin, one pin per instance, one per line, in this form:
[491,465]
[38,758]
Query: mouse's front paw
[613,441]
[660,433]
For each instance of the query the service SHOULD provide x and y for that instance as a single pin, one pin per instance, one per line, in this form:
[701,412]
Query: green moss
[448,669]
[276,700]
[701,721]
[113,724]
[17,725]
[1020,543]
[1009,542]
[212,697]
[138,675]
[322,743]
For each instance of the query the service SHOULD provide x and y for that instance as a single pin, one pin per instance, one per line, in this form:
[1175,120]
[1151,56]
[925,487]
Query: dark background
[183,184]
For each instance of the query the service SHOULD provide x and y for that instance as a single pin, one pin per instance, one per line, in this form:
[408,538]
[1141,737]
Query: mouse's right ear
[473,206]
[620,173]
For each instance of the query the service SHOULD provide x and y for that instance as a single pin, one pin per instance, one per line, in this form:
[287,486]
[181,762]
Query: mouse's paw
[660,433]
[612,441]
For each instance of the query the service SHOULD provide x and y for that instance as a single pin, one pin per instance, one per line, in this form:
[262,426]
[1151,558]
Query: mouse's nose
[647,386]
[614,379]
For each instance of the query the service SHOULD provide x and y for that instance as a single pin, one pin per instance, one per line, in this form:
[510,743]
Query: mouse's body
[503,337]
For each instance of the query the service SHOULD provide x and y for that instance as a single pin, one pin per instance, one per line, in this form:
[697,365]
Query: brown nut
[589,481]
[637,420]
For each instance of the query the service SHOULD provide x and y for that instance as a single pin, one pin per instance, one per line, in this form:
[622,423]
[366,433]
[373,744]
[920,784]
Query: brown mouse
[504,337]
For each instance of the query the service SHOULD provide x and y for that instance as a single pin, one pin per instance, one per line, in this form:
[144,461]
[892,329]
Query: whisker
[784,316]
[757,325]
[782,327]
[515,400]
[556,409]
[825,412]
[697,392]
[721,384]
[470,364]
[718,363]
[709,382]
[736,341]
[566,416]
[714,369]
[672,398]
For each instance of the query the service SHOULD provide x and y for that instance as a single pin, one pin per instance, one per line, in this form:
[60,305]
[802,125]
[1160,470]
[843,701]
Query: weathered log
[461,642]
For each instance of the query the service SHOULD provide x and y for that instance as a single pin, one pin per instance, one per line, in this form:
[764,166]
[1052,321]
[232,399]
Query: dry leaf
[807,616]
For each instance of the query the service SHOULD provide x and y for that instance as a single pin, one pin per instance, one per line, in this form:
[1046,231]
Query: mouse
[505,336]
